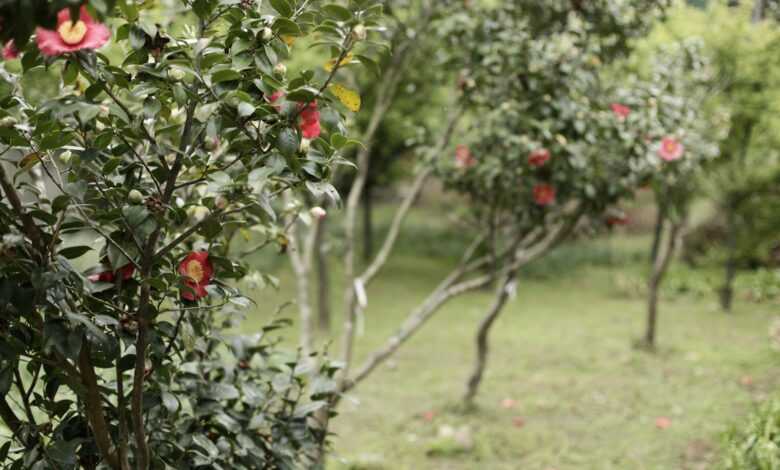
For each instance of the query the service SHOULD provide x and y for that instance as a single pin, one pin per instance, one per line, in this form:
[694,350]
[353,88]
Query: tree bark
[660,267]
[727,290]
[368,227]
[323,278]
[657,233]
[501,298]
[759,9]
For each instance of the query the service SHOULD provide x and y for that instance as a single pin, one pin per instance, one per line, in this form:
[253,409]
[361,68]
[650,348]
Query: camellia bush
[170,130]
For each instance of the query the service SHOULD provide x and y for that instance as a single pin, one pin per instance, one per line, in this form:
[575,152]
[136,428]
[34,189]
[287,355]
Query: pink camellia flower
[671,149]
[71,37]
[544,194]
[663,422]
[539,157]
[10,51]
[463,157]
[318,212]
[620,111]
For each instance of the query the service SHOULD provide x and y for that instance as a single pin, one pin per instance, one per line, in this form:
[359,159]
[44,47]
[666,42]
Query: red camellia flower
[198,271]
[463,157]
[671,149]
[620,111]
[109,276]
[69,36]
[10,51]
[544,194]
[310,116]
[539,157]
[310,121]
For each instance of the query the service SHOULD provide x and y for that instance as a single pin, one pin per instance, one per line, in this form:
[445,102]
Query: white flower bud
[305,145]
[220,202]
[198,213]
[318,212]
[176,74]
[135,196]
[359,32]
[170,159]
[268,34]
[66,156]
[280,70]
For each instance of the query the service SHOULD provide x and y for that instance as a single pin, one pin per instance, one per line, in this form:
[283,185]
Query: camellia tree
[564,146]
[185,131]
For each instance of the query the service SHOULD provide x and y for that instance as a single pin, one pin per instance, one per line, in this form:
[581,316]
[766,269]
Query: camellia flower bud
[198,213]
[359,32]
[135,196]
[268,34]
[211,143]
[318,212]
[280,70]
[176,74]
[66,156]
[170,159]
[220,202]
[305,145]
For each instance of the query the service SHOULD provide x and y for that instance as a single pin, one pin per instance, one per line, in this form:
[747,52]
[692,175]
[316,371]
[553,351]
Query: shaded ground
[562,351]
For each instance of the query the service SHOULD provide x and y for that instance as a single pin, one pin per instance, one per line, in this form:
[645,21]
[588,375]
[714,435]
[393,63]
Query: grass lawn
[584,397]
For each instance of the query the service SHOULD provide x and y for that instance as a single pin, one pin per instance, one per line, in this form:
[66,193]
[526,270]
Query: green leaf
[285,27]
[282,6]
[225,75]
[75,251]
[287,142]
[337,11]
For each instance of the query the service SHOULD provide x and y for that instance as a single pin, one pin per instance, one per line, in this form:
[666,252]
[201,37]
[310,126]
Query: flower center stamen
[72,34]
[195,271]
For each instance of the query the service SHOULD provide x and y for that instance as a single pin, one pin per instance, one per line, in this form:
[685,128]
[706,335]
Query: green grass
[563,350]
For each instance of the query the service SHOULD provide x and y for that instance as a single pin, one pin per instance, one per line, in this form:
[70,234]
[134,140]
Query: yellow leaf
[331,64]
[289,40]
[29,161]
[349,98]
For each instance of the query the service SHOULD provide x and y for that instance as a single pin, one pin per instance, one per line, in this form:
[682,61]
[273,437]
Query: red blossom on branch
[198,272]
[544,194]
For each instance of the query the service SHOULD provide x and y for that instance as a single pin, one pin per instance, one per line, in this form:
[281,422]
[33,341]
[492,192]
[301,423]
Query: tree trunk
[759,9]
[502,295]
[368,226]
[657,233]
[660,266]
[727,291]
[323,279]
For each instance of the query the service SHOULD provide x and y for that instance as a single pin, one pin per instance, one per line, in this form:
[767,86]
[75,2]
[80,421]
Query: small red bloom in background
[126,272]
[539,157]
[10,51]
[463,157]
[544,194]
[620,111]
[671,149]
[198,271]
[616,217]
[518,422]
[310,121]
[508,403]
[746,381]
[69,36]
[663,422]
[428,416]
